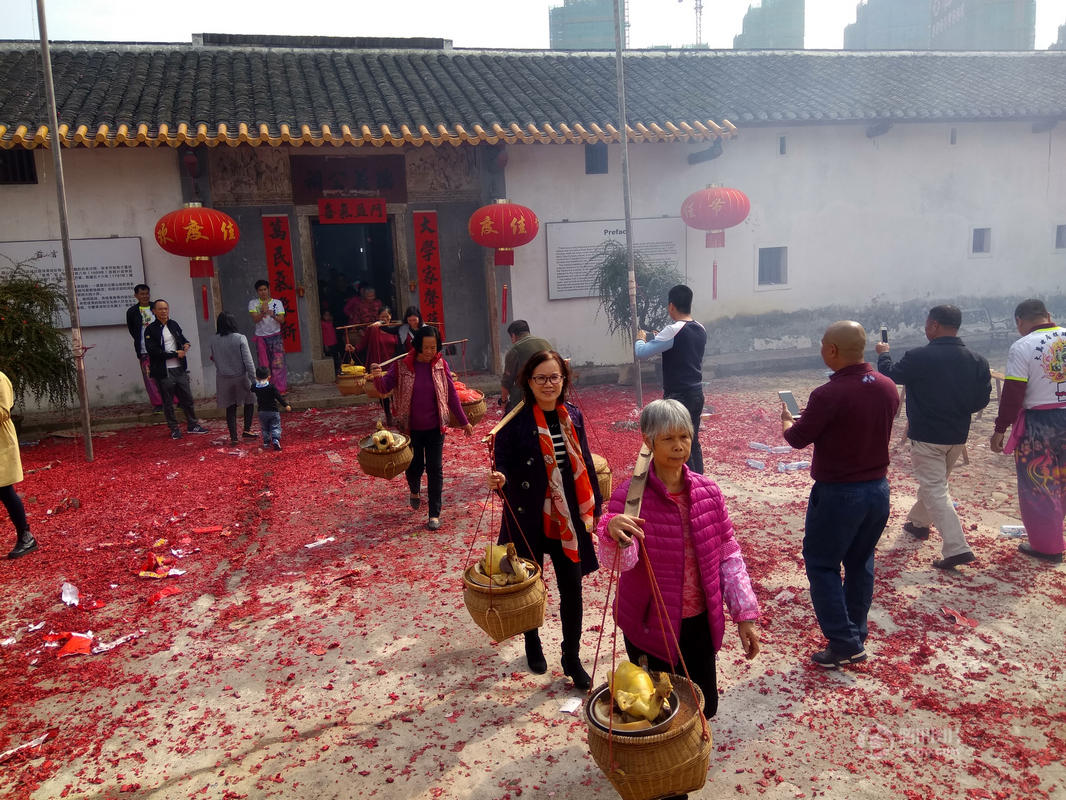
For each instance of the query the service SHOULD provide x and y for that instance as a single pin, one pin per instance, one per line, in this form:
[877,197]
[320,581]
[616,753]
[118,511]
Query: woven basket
[505,611]
[372,391]
[385,464]
[603,476]
[646,767]
[474,410]
[351,384]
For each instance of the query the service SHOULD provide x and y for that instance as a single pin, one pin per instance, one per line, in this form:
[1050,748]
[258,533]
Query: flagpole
[64,230]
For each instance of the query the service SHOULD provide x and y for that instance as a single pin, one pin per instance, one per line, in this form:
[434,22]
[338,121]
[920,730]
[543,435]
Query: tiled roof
[116,94]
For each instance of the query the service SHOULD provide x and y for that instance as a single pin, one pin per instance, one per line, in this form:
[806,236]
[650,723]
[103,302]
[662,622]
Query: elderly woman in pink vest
[685,533]
[424,395]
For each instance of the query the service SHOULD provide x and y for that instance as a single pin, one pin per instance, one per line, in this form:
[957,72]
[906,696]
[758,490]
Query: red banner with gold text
[281,276]
[427,261]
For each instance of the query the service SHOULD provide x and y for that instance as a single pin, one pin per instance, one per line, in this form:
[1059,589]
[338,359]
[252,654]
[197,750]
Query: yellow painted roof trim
[127,136]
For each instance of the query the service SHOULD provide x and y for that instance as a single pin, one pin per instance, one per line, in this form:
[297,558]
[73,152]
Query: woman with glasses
[543,467]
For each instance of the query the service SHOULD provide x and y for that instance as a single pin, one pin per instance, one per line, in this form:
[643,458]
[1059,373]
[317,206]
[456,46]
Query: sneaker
[953,561]
[198,428]
[276,444]
[175,434]
[830,660]
[250,435]
[915,531]
[433,524]
[1054,558]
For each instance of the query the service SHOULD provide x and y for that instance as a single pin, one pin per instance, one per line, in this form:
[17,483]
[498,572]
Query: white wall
[864,220]
[112,193]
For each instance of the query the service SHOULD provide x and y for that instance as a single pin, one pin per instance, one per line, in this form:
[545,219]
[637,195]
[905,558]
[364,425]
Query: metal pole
[623,133]
[64,230]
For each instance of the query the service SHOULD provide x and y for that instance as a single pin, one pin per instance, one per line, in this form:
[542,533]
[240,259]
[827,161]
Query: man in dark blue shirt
[946,383]
[682,343]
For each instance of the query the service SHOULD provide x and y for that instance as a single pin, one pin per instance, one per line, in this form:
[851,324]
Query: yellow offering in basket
[637,695]
[502,565]
[353,369]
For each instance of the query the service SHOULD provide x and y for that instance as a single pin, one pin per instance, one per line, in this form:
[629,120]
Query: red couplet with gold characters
[503,226]
[713,210]
[197,233]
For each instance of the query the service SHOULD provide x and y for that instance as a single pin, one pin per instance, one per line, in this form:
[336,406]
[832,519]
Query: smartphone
[884,334]
[790,403]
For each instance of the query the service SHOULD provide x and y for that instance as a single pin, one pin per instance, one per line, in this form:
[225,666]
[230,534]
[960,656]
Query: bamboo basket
[385,464]
[603,476]
[351,384]
[474,410]
[646,767]
[505,611]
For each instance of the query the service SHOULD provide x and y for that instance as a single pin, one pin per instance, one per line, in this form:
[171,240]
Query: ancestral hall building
[877,181]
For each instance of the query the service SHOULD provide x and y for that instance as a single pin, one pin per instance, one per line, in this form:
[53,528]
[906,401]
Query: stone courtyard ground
[351,669]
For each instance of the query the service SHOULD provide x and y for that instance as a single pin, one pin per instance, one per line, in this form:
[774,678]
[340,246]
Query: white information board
[573,245]
[105,272]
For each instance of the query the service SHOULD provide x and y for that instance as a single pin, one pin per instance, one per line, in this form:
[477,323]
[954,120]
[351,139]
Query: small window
[782,145]
[1060,237]
[982,241]
[954,137]
[773,266]
[596,158]
[16,166]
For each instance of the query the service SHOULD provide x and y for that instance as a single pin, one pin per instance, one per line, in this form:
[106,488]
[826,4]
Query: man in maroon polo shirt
[849,422]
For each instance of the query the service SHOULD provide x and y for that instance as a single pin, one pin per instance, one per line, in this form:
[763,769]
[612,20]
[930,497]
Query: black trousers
[231,418]
[13,503]
[175,388]
[698,653]
[568,579]
[428,448]
[692,400]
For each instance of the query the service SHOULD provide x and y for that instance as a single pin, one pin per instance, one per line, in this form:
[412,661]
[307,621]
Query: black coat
[153,343]
[134,323]
[518,457]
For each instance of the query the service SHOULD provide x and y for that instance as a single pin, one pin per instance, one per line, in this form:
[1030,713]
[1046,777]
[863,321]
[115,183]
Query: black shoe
[415,501]
[250,435]
[175,434]
[574,671]
[433,523]
[233,442]
[1054,558]
[25,544]
[198,428]
[535,660]
[830,660]
[915,531]
[953,561]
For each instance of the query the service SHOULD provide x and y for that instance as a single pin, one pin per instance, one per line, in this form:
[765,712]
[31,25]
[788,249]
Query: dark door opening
[350,256]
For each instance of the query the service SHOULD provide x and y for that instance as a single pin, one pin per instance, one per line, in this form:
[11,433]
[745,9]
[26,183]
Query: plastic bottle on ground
[755,464]
[793,466]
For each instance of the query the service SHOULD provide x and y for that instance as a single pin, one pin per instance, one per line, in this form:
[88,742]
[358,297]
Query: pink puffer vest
[712,537]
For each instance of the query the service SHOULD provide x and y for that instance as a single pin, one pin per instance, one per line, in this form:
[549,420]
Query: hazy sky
[516,24]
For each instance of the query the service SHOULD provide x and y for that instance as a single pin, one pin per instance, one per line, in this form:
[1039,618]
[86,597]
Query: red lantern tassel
[504,257]
[201,267]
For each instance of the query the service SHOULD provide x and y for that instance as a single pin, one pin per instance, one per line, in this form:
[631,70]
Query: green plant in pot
[34,354]
[611,284]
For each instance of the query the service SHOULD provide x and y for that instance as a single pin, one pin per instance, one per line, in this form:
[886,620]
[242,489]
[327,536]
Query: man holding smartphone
[682,343]
[946,383]
[849,422]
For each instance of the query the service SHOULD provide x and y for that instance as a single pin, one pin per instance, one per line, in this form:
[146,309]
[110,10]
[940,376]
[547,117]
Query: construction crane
[699,22]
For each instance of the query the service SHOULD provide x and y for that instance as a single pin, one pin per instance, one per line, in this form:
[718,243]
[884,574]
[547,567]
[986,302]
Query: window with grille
[17,166]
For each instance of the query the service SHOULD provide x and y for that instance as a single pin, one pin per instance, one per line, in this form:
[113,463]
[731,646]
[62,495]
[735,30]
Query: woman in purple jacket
[425,393]
[685,532]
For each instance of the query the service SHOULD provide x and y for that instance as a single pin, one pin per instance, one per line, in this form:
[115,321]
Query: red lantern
[713,209]
[197,233]
[503,226]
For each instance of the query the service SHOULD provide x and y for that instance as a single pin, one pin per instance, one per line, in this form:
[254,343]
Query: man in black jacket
[167,348]
[138,317]
[946,383]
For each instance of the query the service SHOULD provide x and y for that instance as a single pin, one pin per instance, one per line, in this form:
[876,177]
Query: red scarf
[557,521]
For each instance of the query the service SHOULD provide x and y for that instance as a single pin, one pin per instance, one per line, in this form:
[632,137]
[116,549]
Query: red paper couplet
[281,276]
[347,210]
[427,259]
